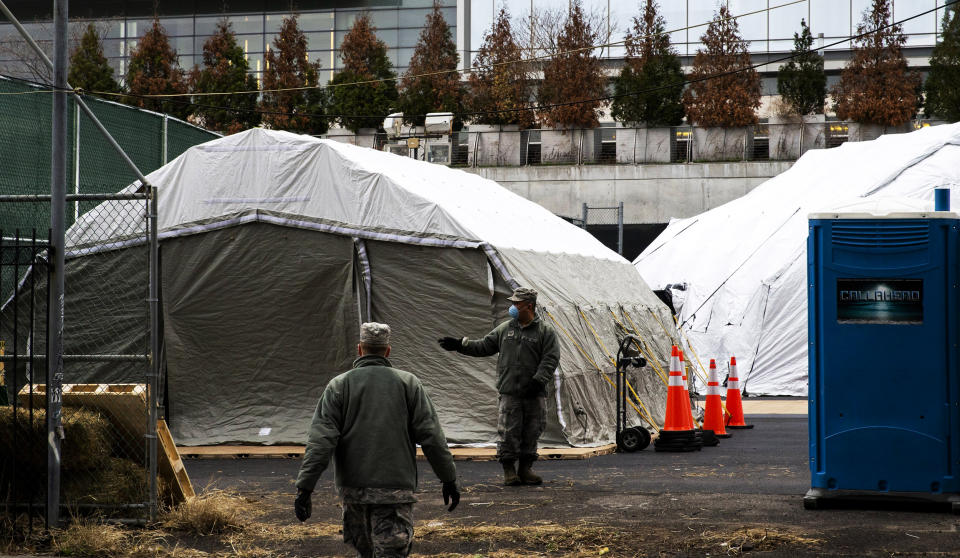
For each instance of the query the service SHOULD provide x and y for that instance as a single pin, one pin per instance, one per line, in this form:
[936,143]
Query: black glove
[535,388]
[302,505]
[451,495]
[450,343]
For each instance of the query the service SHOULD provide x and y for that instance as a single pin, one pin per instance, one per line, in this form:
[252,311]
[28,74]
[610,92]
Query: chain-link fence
[108,436]
[93,166]
[603,222]
[506,146]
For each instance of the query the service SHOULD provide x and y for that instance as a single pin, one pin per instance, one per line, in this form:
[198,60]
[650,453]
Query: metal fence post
[585,211]
[163,146]
[58,195]
[620,229]
[153,372]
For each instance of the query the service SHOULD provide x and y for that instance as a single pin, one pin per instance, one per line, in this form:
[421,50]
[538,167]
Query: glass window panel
[679,41]
[403,56]
[135,27]
[252,23]
[927,23]
[388,36]
[324,58]
[859,9]
[272,23]
[317,40]
[392,55]
[183,45]
[317,21]
[752,27]
[481,20]
[921,39]
[414,18]
[785,21]
[251,43]
[112,47]
[407,37]
[829,18]
[417,4]
[701,13]
[384,19]
[449,15]
[207,25]
[131,45]
[177,25]
[783,46]
[112,29]
[339,38]
[675,16]
[187,61]
[345,18]
[255,61]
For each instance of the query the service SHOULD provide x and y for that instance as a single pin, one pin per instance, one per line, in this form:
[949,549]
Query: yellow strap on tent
[656,365]
[614,362]
[647,417]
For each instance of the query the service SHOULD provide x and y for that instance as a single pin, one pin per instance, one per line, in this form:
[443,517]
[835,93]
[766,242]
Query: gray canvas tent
[275,246]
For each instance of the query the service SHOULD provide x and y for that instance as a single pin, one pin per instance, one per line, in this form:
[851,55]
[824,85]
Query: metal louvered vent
[879,236]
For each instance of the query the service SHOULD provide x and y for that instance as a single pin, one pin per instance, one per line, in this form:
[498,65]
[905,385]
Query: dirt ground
[743,497]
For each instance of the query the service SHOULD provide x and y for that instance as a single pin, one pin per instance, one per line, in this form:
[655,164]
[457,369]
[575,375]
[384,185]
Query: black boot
[525,474]
[510,477]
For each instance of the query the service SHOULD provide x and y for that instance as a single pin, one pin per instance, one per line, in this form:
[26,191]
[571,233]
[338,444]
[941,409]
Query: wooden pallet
[125,406]
[459,454]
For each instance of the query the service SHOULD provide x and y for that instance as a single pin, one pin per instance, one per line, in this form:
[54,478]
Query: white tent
[738,272]
[275,246]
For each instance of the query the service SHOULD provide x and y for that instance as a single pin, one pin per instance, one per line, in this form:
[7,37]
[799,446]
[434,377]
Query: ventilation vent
[880,236]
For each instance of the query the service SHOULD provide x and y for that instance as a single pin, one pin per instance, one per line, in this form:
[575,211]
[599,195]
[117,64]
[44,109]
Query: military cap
[375,334]
[524,294]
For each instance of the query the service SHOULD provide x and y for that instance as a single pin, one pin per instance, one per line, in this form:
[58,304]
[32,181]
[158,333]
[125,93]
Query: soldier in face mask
[528,355]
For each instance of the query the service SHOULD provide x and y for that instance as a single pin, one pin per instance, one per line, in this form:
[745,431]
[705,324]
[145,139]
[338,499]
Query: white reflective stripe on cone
[733,384]
[714,390]
[675,381]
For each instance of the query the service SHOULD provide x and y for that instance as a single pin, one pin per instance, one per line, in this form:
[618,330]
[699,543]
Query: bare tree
[21,62]
[539,33]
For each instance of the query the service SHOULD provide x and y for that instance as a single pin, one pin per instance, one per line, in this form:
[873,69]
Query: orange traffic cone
[676,435]
[713,415]
[686,394]
[734,403]
[704,438]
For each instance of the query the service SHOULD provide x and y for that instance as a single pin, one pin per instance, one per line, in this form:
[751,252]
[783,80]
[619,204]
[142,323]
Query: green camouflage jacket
[526,354]
[369,420]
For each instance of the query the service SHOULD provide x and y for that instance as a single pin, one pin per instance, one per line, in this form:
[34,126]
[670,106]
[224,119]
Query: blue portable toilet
[884,389]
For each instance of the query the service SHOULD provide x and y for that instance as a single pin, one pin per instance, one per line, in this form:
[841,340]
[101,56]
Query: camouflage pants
[519,426]
[378,530]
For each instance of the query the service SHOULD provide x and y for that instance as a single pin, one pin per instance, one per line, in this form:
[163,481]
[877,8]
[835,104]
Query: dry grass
[573,540]
[88,537]
[745,539]
[213,512]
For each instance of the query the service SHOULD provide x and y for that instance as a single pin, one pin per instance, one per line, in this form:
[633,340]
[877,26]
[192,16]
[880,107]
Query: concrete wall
[650,193]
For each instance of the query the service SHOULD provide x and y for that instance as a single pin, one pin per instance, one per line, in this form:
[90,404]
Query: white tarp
[743,264]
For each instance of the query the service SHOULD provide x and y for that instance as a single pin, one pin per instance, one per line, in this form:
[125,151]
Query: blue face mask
[514,313]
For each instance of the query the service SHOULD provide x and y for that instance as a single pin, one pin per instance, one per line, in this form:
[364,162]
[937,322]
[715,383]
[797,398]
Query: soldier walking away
[528,356]
[369,419]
